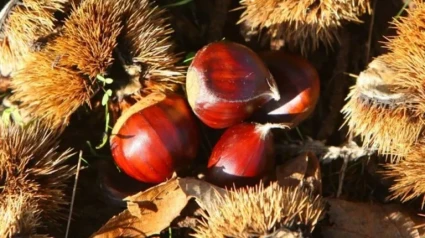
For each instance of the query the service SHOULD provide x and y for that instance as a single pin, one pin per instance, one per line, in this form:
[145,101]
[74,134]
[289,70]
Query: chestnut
[226,82]
[243,155]
[299,88]
[155,137]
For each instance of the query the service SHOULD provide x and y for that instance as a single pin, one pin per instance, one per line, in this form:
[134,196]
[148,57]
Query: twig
[341,177]
[338,89]
[349,151]
[369,39]
[74,191]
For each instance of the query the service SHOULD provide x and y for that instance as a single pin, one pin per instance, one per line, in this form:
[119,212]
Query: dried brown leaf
[303,171]
[204,193]
[355,220]
[148,212]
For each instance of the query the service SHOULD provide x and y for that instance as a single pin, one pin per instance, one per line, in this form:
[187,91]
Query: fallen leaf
[355,220]
[203,192]
[303,171]
[148,212]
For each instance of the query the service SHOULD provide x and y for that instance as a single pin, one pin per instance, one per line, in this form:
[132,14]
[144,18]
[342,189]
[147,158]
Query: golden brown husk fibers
[61,77]
[387,104]
[23,26]
[32,179]
[259,211]
[300,24]
[386,108]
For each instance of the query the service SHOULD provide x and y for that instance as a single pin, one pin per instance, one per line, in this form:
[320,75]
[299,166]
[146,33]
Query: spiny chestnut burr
[226,82]
[298,24]
[34,175]
[155,137]
[386,106]
[242,156]
[261,211]
[95,39]
[299,88]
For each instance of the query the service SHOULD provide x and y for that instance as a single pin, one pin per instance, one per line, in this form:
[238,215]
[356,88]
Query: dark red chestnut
[299,88]
[242,156]
[226,82]
[155,137]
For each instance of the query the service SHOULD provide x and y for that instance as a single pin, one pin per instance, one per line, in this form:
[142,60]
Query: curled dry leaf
[148,212]
[355,220]
[151,211]
[303,171]
[204,193]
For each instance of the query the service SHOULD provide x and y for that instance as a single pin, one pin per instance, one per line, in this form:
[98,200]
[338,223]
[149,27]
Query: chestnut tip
[243,155]
[299,86]
[226,83]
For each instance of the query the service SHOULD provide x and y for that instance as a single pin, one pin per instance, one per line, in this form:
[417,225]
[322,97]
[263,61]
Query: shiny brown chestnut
[299,88]
[155,137]
[243,155]
[226,82]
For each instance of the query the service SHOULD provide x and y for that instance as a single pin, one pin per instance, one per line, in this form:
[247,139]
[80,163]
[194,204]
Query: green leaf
[105,99]
[6,116]
[109,92]
[109,80]
[189,57]
[100,78]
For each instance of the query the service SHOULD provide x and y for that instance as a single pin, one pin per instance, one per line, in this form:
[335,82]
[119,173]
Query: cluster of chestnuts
[228,86]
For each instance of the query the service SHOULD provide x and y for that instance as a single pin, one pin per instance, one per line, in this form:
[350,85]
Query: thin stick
[369,39]
[74,191]
[341,177]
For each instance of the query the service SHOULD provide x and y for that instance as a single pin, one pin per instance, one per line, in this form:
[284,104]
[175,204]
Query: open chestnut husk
[299,88]
[243,156]
[226,82]
[155,137]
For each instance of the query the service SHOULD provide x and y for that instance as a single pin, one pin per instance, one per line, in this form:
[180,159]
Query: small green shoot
[105,99]
[178,3]
[189,57]
[104,80]
[106,96]
[403,8]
